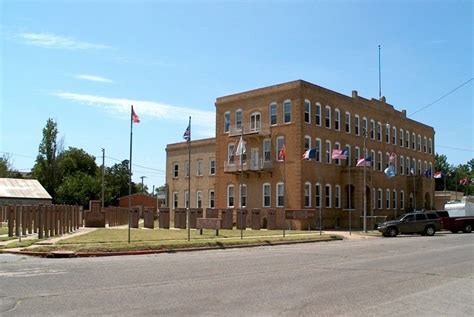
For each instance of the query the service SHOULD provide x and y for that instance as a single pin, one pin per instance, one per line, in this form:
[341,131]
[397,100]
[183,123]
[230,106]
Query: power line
[455,148]
[16,154]
[136,165]
[442,97]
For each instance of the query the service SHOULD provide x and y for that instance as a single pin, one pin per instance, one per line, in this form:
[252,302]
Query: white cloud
[121,107]
[93,78]
[49,40]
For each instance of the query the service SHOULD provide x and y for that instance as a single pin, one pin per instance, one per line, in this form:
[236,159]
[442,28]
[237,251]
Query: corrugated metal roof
[22,188]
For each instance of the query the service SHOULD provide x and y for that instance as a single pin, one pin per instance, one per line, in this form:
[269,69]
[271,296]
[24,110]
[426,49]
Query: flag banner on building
[135,118]
[309,154]
[241,150]
[187,134]
[463,181]
[412,171]
[339,154]
[438,175]
[282,153]
[392,158]
[365,161]
[427,173]
[390,171]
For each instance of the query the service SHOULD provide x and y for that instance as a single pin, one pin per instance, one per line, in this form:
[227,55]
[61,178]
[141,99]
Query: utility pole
[103,172]
[142,177]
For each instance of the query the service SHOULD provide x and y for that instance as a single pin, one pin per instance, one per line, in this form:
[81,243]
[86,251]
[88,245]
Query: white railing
[247,128]
[261,165]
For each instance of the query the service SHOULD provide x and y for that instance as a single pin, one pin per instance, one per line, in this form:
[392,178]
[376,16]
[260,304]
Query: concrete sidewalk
[354,235]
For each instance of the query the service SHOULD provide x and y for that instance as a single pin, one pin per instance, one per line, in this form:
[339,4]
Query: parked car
[455,224]
[421,223]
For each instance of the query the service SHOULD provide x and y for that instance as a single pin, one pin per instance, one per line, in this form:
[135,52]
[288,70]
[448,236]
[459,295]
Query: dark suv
[422,223]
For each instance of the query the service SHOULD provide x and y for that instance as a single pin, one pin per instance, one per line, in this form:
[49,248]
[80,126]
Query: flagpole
[414,190]
[130,174]
[380,78]
[371,194]
[349,188]
[189,180]
[364,189]
[240,181]
[284,190]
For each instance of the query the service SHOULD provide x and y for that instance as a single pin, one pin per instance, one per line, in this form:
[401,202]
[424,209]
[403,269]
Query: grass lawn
[107,240]
[4,230]
[22,244]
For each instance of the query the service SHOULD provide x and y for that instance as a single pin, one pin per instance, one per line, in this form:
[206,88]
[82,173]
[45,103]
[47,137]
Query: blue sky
[84,62]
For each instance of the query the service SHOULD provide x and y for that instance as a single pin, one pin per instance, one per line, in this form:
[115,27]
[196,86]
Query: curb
[71,254]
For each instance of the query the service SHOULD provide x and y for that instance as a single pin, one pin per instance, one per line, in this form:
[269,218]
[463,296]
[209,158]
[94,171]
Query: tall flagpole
[130,174]
[189,180]
[349,188]
[240,147]
[284,189]
[380,78]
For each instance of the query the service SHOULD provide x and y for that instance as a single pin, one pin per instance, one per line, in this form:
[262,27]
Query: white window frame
[328,196]
[357,124]
[317,117]
[379,198]
[267,158]
[372,129]
[273,105]
[230,195]
[413,141]
[269,186]
[402,165]
[278,147]
[402,200]
[227,122]
[287,103]
[175,170]
[365,125]
[199,199]
[255,121]
[199,165]
[349,155]
[379,131]
[419,142]
[327,117]
[337,146]
[212,165]
[379,161]
[425,145]
[175,200]
[347,122]
[402,138]
[243,195]
[387,133]
[394,135]
[387,199]
[307,194]
[328,152]
[430,146]
[237,127]
[231,154]
[307,111]
[337,119]
[307,142]
[337,197]
[374,160]
[212,199]
[280,185]
[394,199]
[318,147]
[407,139]
[317,195]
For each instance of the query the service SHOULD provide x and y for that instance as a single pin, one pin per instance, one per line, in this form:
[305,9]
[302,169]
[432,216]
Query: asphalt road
[403,276]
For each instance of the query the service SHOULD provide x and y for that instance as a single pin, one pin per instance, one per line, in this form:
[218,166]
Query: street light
[364,134]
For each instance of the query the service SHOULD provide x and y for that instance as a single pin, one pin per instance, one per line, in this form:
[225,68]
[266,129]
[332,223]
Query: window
[419,142]
[317,194]
[307,111]
[402,165]
[199,199]
[230,196]
[401,138]
[186,168]
[387,159]
[287,111]
[349,155]
[328,152]
[337,198]
[227,121]
[394,136]
[318,150]
[212,167]
[243,195]
[425,144]
[372,129]
[238,119]
[387,133]
[337,146]
[431,171]
[307,194]
[374,159]
[212,199]
[175,200]
[273,113]
[379,161]
[337,119]
[387,199]
[199,167]
[186,199]
[267,150]
[328,196]
[430,146]
[266,195]
[379,132]
[374,198]
[379,199]
[413,166]
[413,140]
[348,122]
[407,166]
[394,199]
[317,114]
[407,139]
[307,143]
[255,123]
[419,167]
[402,200]
[357,154]
[280,195]
[280,143]
[175,169]
[356,125]
[426,167]
[364,125]
[231,153]
[328,117]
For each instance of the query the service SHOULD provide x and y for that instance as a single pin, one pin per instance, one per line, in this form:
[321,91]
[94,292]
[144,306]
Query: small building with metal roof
[23,191]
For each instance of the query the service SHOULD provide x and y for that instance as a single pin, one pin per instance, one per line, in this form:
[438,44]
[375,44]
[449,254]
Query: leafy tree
[78,188]
[116,180]
[75,160]
[46,166]
[5,166]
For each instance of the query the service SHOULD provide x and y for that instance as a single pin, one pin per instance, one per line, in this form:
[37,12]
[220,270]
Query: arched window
[328,195]
[349,155]
[387,159]
[230,195]
[317,114]
[394,136]
[394,199]
[430,146]
[372,129]
[318,150]
[307,194]
[387,133]
[337,146]
[348,122]
[357,124]
[379,131]
[287,111]
[307,111]
[307,142]
[402,165]
[413,140]
[328,117]
[337,197]
[267,192]
[425,144]
[407,166]
[273,113]
[328,152]
[374,159]
[419,142]
[407,139]
[402,200]
[337,119]
[317,194]
[357,154]
[280,195]
[387,199]
[402,142]
[243,195]
[379,199]
[379,161]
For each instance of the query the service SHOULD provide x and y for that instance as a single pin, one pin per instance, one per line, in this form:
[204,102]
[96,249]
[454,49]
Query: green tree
[5,166]
[75,160]
[78,188]
[116,180]
[46,166]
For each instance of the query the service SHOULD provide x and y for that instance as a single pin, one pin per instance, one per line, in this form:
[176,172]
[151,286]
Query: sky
[83,63]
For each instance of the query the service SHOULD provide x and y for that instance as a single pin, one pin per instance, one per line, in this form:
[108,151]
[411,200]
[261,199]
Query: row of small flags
[462,181]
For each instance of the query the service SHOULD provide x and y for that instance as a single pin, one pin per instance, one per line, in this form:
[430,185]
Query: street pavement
[406,275]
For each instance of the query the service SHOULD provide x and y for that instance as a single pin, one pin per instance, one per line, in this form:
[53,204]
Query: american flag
[135,118]
[187,134]
[339,154]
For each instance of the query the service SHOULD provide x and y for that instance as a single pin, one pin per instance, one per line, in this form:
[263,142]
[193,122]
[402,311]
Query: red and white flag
[392,158]
[438,175]
[135,118]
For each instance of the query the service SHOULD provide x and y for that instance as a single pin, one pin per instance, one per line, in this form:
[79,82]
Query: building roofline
[202,142]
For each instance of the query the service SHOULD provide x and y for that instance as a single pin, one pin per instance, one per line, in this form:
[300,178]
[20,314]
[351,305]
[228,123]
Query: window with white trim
[199,168]
[328,117]
[337,119]
[280,142]
[379,132]
[402,142]
[267,144]
[230,196]
[387,133]
[337,197]
[307,111]
[255,123]
[318,150]
[280,195]
[328,152]
[273,113]
[175,169]
[349,155]
[372,129]
[379,161]
[402,200]
[387,199]
[425,144]
[407,165]
[243,195]
[328,195]
[238,119]
[307,194]
[337,146]
[413,140]
[387,159]
[317,114]
[198,199]
[364,125]
[394,136]
[431,170]
[317,194]
[407,139]
[307,142]
[357,154]
[227,121]
[186,169]
[212,167]
[175,200]
[394,199]
[357,125]
[379,199]
[374,160]
[419,167]
[430,146]
[348,122]
[287,111]
[212,199]
[419,142]
[402,165]
[186,199]
[231,153]
[267,192]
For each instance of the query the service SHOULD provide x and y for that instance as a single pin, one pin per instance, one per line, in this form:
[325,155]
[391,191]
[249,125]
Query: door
[254,158]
